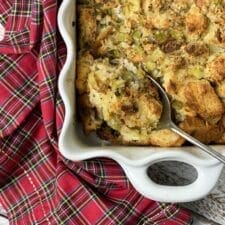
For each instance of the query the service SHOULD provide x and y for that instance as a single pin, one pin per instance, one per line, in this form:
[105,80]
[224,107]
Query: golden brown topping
[83,68]
[196,49]
[161,21]
[196,23]
[142,115]
[216,69]
[158,5]
[88,29]
[221,90]
[130,109]
[165,138]
[181,43]
[199,95]
[202,3]
[179,63]
[150,89]
[220,36]
[145,5]
[104,33]
[201,130]
[170,46]
[171,87]
[180,5]
[148,47]
[134,55]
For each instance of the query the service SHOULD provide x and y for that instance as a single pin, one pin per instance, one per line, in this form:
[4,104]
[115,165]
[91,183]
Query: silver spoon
[167,123]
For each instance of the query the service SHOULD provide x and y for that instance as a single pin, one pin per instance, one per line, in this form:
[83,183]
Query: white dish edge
[134,160]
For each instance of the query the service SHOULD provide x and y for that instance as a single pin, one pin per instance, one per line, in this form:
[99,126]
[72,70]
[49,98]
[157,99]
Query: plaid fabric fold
[37,185]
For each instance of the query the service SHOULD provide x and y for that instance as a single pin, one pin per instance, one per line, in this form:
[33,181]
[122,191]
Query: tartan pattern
[5,7]
[37,185]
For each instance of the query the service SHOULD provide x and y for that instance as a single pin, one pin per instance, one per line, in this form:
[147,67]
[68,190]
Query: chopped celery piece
[137,35]
[196,71]
[161,36]
[150,65]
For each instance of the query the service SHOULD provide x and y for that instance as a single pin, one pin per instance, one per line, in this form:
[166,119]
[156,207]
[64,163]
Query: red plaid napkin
[37,185]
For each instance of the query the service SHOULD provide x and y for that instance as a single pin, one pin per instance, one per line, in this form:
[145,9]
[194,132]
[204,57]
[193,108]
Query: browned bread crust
[180,42]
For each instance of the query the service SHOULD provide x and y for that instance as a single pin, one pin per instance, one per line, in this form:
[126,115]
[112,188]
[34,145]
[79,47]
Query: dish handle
[207,178]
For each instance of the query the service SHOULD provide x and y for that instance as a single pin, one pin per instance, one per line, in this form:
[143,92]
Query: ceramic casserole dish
[135,161]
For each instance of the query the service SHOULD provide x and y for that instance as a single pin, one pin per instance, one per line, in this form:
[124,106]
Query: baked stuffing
[180,42]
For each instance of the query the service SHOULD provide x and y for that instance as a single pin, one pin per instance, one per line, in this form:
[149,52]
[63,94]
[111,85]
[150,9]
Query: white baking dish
[134,160]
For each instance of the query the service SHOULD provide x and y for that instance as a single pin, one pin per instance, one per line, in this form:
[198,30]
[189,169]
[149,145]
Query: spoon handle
[197,143]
